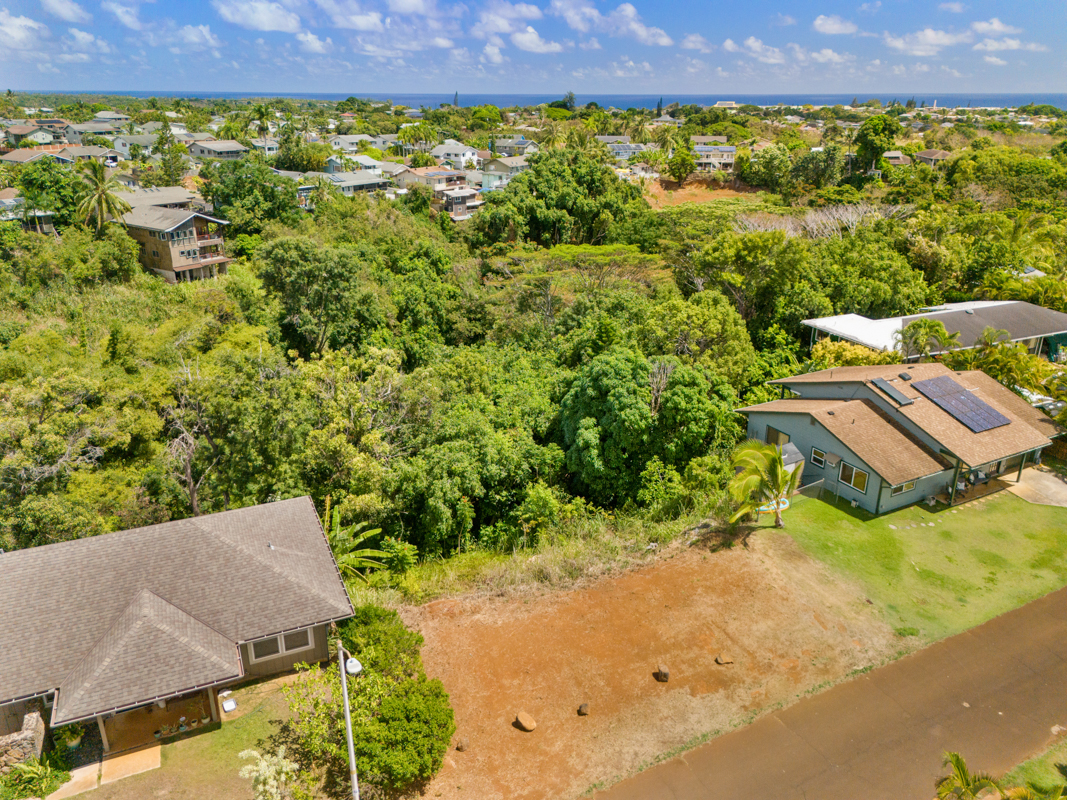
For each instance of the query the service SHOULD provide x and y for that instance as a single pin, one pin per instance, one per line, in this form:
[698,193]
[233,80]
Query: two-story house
[268,146]
[455,153]
[715,158]
[178,244]
[128,143]
[350,143]
[74,132]
[499,171]
[17,134]
[520,146]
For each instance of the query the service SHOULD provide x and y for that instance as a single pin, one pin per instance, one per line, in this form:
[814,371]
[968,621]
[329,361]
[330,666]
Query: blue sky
[589,46]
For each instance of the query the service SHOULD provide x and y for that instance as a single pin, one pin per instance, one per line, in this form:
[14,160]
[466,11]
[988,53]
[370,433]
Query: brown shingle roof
[245,574]
[1025,431]
[858,424]
[182,651]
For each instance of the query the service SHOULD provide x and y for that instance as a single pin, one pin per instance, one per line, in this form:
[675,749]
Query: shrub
[32,778]
[379,638]
[400,557]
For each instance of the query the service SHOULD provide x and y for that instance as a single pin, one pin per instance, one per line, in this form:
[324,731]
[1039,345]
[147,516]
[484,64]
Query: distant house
[268,146]
[13,209]
[17,134]
[336,164]
[668,120]
[223,150]
[624,151]
[351,183]
[178,244]
[161,196]
[451,193]
[138,630]
[715,158]
[113,117]
[105,155]
[29,156]
[707,140]
[126,142]
[350,143]
[384,141]
[455,153]
[520,146]
[499,171]
[895,158]
[613,139]
[932,157]
[725,104]
[74,132]
[1042,330]
[888,436]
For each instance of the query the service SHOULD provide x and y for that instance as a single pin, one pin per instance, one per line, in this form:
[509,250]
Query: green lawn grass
[975,562]
[1044,771]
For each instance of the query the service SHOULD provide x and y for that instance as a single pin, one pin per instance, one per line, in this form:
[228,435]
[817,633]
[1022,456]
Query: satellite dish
[353,667]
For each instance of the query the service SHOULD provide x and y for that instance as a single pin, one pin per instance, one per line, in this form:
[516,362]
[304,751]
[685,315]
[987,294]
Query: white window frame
[907,486]
[818,460]
[841,477]
[280,638]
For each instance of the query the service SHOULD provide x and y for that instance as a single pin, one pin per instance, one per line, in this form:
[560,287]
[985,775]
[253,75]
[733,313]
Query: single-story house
[350,183]
[895,158]
[520,146]
[13,209]
[665,119]
[613,139]
[932,157]
[115,117]
[104,155]
[151,622]
[223,149]
[498,171]
[1042,330]
[28,156]
[884,437]
[708,140]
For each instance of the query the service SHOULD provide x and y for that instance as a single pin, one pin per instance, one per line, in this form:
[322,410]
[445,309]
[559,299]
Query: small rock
[1058,729]
[583,710]
[966,705]
[525,721]
[662,674]
[722,660]
[463,744]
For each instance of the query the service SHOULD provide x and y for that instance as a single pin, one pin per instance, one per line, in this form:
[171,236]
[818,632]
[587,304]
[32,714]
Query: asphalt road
[993,694]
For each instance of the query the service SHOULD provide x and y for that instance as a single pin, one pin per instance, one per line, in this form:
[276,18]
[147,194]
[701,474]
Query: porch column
[213,701]
[1022,463]
[955,480]
[103,734]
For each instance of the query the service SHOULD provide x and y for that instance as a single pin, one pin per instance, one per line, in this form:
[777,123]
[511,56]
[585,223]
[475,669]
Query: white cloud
[628,68]
[955,73]
[441,41]
[491,55]
[20,33]
[784,20]
[85,42]
[591,44]
[310,43]
[695,41]
[196,39]
[993,27]
[871,8]
[757,49]
[828,56]
[350,16]
[258,15]
[500,18]
[423,7]
[995,46]
[833,24]
[530,41]
[73,58]
[582,16]
[927,42]
[955,8]
[66,10]
[126,14]
[999,62]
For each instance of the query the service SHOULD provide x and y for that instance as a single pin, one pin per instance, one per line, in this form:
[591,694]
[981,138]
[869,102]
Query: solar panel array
[894,393]
[961,404]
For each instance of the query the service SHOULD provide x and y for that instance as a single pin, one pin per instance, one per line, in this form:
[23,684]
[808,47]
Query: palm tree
[552,136]
[668,137]
[262,114]
[99,196]
[1034,793]
[925,336]
[352,558]
[762,479]
[960,784]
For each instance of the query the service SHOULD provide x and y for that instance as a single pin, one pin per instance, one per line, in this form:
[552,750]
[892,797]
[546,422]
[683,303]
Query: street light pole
[348,722]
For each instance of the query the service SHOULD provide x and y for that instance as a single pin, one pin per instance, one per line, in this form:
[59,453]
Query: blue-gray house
[889,436]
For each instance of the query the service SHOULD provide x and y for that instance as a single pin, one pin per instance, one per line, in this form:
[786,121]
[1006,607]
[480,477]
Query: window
[775,436]
[856,478]
[904,487]
[818,457]
[275,646]
[155,254]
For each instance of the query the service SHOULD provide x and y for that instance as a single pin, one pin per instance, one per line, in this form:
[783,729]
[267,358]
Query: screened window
[266,648]
[904,487]
[856,478]
[297,641]
[818,457]
[286,643]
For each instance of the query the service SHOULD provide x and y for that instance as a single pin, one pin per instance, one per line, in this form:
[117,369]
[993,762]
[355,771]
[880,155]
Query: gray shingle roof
[157,218]
[183,653]
[243,574]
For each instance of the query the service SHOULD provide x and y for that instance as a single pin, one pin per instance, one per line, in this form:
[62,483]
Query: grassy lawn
[934,573]
[204,766]
[1044,771]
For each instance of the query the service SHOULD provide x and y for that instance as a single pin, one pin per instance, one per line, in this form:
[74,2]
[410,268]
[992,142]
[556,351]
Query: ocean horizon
[624,101]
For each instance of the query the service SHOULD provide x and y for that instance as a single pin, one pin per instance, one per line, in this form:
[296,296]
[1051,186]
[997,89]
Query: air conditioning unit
[855,503]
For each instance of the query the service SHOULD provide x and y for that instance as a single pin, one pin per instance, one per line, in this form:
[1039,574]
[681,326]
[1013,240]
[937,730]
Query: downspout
[878,502]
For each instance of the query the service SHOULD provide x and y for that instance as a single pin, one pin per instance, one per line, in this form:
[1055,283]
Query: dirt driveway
[785,623]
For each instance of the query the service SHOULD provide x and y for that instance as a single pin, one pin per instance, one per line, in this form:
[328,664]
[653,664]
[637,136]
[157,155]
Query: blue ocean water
[432,100]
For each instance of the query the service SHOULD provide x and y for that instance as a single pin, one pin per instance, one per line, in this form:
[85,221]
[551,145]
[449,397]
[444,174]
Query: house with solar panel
[883,437]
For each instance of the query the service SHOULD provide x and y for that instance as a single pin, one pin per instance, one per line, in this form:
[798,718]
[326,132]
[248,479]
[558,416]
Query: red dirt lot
[665,192]
[785,622]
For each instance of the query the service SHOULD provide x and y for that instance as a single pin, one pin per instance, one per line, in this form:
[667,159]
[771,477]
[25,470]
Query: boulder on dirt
[583,710]
[463,744]
[722,660]
[525,722]
[662,674]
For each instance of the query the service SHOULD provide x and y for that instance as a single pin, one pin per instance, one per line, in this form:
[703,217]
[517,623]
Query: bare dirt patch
[663,192]
[784,621]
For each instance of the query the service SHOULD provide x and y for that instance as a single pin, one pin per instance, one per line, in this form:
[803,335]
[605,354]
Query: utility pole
[348,718]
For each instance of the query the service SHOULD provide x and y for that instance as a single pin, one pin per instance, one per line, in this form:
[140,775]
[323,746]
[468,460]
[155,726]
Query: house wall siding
[286,661]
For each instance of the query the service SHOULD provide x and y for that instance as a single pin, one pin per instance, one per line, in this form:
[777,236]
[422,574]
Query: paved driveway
[1039,486]
[993,693]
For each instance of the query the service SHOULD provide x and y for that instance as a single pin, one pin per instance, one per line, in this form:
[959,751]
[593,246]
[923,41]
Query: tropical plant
[1035,793]
[273,775]
[668,138]
[961,783]
[100,194]
[925,336]
[353,558]
[33,778]
[761,479]
[552,136]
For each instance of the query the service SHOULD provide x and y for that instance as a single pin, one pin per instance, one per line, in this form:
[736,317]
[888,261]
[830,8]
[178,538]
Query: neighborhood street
[993,694]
